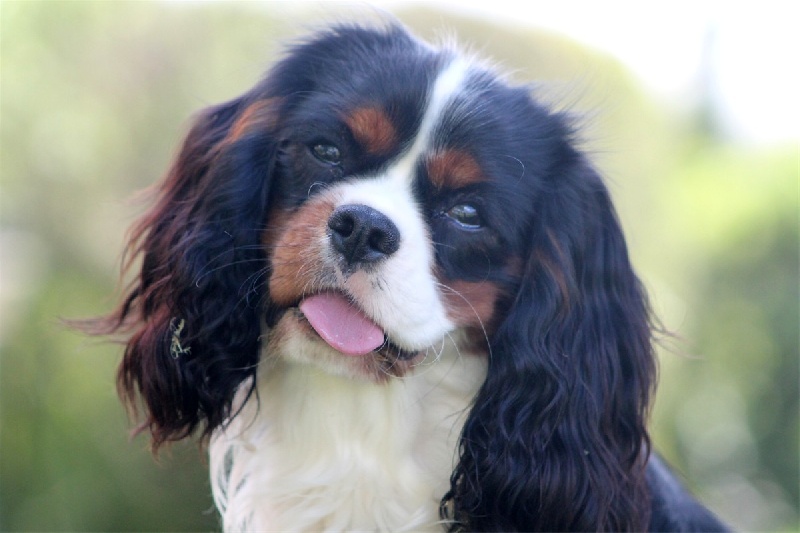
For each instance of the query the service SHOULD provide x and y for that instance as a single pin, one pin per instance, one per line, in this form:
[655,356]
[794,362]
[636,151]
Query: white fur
[322,447]
[403,295]
[318,452]
[449,84]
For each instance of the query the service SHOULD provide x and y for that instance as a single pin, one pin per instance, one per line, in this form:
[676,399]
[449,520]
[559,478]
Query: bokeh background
[95,97]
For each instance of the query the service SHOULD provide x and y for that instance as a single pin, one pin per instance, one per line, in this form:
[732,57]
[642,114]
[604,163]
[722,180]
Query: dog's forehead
[411,108]
[430,126]
[376,128]
[442,96]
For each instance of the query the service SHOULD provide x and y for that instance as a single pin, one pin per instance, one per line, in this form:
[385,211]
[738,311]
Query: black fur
[557,438]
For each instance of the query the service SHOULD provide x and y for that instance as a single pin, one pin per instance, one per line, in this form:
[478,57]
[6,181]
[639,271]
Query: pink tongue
[342,325]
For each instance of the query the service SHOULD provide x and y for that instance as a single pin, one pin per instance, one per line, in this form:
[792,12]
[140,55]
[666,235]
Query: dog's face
[371,199]
[396,217]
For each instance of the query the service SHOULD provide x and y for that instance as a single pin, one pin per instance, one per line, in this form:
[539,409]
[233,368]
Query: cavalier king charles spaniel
[391,293]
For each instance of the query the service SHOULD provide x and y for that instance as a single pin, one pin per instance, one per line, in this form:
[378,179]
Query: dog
[390,292]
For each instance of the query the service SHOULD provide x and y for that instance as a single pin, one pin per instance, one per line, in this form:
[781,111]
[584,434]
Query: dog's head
[369,198]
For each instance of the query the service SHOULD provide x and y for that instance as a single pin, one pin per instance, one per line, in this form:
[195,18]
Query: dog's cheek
[471,304]
[296,243]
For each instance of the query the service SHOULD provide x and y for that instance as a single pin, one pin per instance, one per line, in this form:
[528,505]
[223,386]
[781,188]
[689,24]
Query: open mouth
[345,327]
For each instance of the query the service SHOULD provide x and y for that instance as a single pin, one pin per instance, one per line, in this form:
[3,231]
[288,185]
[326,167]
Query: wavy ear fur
[556,439]
[193,313]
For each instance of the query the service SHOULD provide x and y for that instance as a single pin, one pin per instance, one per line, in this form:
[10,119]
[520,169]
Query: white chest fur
[315,452]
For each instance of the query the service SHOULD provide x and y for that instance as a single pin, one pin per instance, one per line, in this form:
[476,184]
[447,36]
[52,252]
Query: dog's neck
[312,451]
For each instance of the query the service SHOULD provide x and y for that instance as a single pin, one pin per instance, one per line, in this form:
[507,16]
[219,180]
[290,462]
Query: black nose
[362,235]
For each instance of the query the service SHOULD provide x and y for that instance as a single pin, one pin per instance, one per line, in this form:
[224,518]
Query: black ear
[193,313]
[556,439]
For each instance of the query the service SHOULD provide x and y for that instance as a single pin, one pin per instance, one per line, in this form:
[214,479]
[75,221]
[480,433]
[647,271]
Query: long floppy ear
[192,316]
[556,439]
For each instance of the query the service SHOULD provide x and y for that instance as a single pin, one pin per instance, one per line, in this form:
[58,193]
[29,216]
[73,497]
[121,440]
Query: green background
[95,97]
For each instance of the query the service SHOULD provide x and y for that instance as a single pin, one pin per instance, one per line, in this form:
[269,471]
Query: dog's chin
[293,339]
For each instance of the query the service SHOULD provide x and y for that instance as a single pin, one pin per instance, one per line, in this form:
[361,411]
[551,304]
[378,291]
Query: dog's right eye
[327,153]
[466,216]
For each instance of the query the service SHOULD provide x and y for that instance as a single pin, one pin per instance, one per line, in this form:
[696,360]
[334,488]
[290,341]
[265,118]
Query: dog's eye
[327,153]
[465,215]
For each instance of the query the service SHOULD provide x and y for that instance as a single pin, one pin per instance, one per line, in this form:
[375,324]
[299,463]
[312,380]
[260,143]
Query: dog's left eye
[466,216]
[327,153]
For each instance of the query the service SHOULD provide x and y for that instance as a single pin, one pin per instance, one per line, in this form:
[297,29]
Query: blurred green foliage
[94,98]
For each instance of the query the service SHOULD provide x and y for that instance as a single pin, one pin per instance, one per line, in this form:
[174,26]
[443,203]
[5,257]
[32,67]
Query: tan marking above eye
[373,130]
[453,169]
[260,115]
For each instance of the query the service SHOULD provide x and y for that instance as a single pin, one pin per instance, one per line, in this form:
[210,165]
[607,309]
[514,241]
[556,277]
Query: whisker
[484,332]
[210,271]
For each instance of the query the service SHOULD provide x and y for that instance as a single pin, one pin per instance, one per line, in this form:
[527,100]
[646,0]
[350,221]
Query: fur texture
[456,214]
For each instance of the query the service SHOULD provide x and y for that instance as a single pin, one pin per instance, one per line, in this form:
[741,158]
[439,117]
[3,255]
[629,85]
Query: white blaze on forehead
[402,295]
[449,83]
